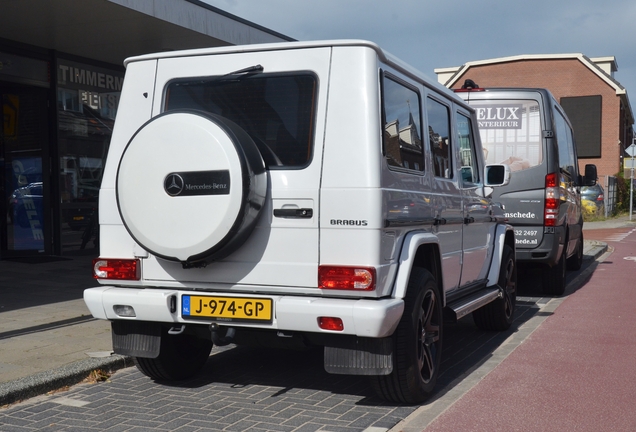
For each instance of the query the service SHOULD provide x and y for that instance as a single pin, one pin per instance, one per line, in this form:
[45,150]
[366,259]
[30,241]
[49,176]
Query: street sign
[631,150]
[629,163]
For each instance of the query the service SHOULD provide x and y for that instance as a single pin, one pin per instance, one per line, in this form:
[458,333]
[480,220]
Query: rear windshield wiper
[244,72]
[230,76]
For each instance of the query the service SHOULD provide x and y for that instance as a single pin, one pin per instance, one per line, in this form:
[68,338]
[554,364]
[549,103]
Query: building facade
[595,102]
[61,75]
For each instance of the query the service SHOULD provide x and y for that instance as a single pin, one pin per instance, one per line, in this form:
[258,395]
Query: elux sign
[499,116]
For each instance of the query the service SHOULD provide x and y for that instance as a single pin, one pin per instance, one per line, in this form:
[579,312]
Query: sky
[430,34]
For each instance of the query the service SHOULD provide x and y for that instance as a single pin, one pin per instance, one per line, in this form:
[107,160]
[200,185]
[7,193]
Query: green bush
[622,194]
[590,210]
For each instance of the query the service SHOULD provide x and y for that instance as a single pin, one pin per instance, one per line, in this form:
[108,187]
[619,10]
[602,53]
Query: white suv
[297,194]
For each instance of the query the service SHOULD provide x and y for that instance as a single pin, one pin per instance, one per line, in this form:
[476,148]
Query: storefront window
[87,98]
[23,141]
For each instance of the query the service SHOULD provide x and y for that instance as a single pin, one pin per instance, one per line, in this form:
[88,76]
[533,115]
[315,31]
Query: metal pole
[631,150]
[631,189]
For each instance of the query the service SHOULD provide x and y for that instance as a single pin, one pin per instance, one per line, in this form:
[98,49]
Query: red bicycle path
[576,371]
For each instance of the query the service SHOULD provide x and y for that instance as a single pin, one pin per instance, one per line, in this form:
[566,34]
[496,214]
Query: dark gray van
[528,130]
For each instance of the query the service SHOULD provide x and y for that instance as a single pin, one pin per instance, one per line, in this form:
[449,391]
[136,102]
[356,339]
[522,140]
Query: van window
[565,143]
[510,132]
[439,137]
[276,110]
[469,167]
[402,131]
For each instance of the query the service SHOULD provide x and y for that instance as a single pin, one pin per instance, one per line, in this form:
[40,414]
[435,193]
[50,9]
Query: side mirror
[590,175]
[497,175]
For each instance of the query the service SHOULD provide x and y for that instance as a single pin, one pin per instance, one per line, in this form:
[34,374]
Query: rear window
[276,110]
[510,132]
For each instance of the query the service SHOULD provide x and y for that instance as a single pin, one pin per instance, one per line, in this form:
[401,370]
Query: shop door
[24,189]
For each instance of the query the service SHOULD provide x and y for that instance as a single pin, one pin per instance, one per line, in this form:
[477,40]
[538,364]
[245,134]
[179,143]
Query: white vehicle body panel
[362,212]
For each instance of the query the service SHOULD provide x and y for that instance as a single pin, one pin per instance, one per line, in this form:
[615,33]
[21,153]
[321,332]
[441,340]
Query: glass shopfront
[57,125]
[25,140]
[87,98]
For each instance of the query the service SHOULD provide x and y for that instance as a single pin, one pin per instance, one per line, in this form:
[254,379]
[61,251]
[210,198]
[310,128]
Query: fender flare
[500,241]
[411,244]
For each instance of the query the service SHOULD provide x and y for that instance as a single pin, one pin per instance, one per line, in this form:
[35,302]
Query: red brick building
[595,102]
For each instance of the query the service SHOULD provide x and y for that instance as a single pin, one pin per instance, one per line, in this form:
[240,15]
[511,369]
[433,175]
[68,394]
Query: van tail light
[120,269]
[468,86]
[346,278]
[552,197]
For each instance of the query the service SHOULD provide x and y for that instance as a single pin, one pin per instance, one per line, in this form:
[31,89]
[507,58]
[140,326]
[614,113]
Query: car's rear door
[283,248]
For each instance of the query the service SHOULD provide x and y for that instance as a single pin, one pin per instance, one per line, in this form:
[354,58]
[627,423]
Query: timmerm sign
[93,86]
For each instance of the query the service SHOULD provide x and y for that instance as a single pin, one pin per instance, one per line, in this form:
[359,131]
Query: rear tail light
[330,323]
[121,269]
[552,197]
[346,278]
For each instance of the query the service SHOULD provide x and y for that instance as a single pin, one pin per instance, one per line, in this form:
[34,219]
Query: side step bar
[466,305]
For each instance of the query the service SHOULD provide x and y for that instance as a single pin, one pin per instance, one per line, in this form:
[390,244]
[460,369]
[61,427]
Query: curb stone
[43,382]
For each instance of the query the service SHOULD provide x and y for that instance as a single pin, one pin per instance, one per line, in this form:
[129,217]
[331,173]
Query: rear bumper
[364,318]
[548,252]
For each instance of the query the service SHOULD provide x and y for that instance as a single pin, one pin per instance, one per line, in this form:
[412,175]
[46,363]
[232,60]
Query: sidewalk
[50,340]
[48,337]
[617,222]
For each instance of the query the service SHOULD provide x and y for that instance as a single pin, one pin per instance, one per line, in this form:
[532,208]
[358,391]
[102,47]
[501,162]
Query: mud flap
[136,338]
[365,356]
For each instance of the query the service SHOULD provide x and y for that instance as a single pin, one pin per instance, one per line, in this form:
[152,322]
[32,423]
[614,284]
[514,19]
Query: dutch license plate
[226,308]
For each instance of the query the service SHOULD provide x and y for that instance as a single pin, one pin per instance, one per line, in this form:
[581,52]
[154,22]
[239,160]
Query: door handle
[302,213]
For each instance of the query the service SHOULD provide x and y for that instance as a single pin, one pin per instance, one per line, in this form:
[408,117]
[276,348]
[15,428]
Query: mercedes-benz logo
[173,184]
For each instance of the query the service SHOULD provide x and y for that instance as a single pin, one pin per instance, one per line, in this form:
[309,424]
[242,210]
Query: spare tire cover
[190,186]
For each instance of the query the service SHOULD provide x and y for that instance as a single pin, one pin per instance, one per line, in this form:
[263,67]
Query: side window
[565,144]
[439,138]
[468,155]
[402,131]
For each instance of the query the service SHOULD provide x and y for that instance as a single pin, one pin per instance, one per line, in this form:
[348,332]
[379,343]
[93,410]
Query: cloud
[443,33]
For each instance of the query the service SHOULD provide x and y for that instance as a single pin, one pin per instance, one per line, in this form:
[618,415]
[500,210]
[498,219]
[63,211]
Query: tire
[576,261]
[180,357]
[417,344]
[498,315]
[554,277]
[190,186]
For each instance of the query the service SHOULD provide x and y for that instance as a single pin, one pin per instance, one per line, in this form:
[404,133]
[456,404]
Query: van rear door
[512,133]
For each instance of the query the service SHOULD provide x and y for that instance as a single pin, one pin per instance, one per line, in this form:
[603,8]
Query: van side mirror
[497,175]
[590,175]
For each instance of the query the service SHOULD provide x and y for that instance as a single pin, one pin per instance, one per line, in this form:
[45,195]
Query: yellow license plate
[226,308]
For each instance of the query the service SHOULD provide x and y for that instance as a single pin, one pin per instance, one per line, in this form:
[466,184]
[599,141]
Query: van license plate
[227,308]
